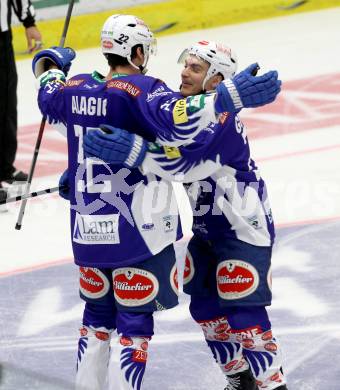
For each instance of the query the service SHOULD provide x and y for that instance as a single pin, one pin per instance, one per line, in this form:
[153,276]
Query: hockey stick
[33,194]
[41,130]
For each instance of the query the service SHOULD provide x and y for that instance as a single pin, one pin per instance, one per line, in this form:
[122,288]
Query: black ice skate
[242,381]
[17,176]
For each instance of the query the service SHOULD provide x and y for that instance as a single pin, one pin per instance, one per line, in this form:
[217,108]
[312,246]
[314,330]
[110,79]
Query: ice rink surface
[296,143]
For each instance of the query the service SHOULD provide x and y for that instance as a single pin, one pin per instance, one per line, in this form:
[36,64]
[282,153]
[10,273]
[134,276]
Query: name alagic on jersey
[83,105]
[107,200]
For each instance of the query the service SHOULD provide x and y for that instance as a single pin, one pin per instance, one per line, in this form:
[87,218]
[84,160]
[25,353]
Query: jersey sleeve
[51,100]
[174,120]
[222,143]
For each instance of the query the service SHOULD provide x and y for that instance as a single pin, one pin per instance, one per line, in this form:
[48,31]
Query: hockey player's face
[193,75]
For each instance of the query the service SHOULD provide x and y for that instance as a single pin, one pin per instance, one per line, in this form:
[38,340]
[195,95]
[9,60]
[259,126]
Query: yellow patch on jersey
[179,112]
[171,152]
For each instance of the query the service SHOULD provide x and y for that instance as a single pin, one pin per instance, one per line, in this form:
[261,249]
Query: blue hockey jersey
[120,216]
[232,199]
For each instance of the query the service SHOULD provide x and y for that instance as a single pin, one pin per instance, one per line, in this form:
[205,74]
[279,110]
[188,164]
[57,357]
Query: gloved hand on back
[247,90]
[115,146]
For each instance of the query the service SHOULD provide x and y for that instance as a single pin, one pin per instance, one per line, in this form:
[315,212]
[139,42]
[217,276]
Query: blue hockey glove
[247,90]
[60,56]
[115,146]
[64,188]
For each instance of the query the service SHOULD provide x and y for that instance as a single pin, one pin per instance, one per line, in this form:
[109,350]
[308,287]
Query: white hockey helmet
[121,33]
[220,57]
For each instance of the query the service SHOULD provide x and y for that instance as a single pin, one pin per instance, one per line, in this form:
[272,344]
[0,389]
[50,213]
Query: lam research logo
[96,229]
[134,286]
[236,279]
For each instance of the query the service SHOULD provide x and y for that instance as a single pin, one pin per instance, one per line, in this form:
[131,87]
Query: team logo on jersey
[134,286]
[174,279]
[125,86]
[189,269]
[96,229]
[93,283]
[236,279]
[179,113]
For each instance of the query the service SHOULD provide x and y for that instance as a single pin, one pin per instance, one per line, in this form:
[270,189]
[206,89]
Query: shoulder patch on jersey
[93,283]
[179,112]
[236,279]
[125,86]
[74,83]
[134,286]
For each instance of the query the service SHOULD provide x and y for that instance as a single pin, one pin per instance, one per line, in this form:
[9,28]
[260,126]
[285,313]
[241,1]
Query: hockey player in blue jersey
[227,267]
[121,243]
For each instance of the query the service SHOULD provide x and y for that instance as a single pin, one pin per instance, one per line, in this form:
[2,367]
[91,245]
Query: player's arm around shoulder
[165,113]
